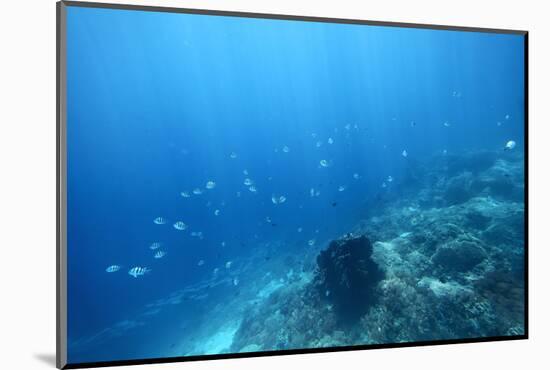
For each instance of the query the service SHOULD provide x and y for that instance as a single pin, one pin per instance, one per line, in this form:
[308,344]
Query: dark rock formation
[347,276]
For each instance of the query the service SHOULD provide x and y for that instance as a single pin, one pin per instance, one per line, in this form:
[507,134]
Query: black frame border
[61,187]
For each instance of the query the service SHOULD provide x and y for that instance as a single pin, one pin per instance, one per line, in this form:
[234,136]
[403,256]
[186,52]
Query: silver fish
[278,199]
[197,234]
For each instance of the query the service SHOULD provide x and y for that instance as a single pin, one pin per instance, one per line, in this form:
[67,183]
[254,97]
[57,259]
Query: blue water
[157,102]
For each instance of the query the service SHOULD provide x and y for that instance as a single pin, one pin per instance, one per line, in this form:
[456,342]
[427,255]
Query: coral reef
[446,261]
[288,318]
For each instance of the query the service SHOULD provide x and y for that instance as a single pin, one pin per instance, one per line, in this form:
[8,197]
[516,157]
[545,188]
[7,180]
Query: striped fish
[180,226]
[138,271]
[155,245]
[159,254]
[159,220]
[113,268]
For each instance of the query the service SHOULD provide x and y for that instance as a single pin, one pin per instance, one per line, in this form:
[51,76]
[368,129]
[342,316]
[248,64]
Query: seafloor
[438,256]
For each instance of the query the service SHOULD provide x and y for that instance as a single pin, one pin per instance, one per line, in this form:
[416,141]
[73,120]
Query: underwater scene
[237,185]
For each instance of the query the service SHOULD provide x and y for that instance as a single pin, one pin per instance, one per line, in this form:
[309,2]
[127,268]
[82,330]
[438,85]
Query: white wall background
[27,182]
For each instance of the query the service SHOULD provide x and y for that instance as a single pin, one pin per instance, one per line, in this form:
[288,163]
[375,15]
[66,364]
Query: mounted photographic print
[237,184]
